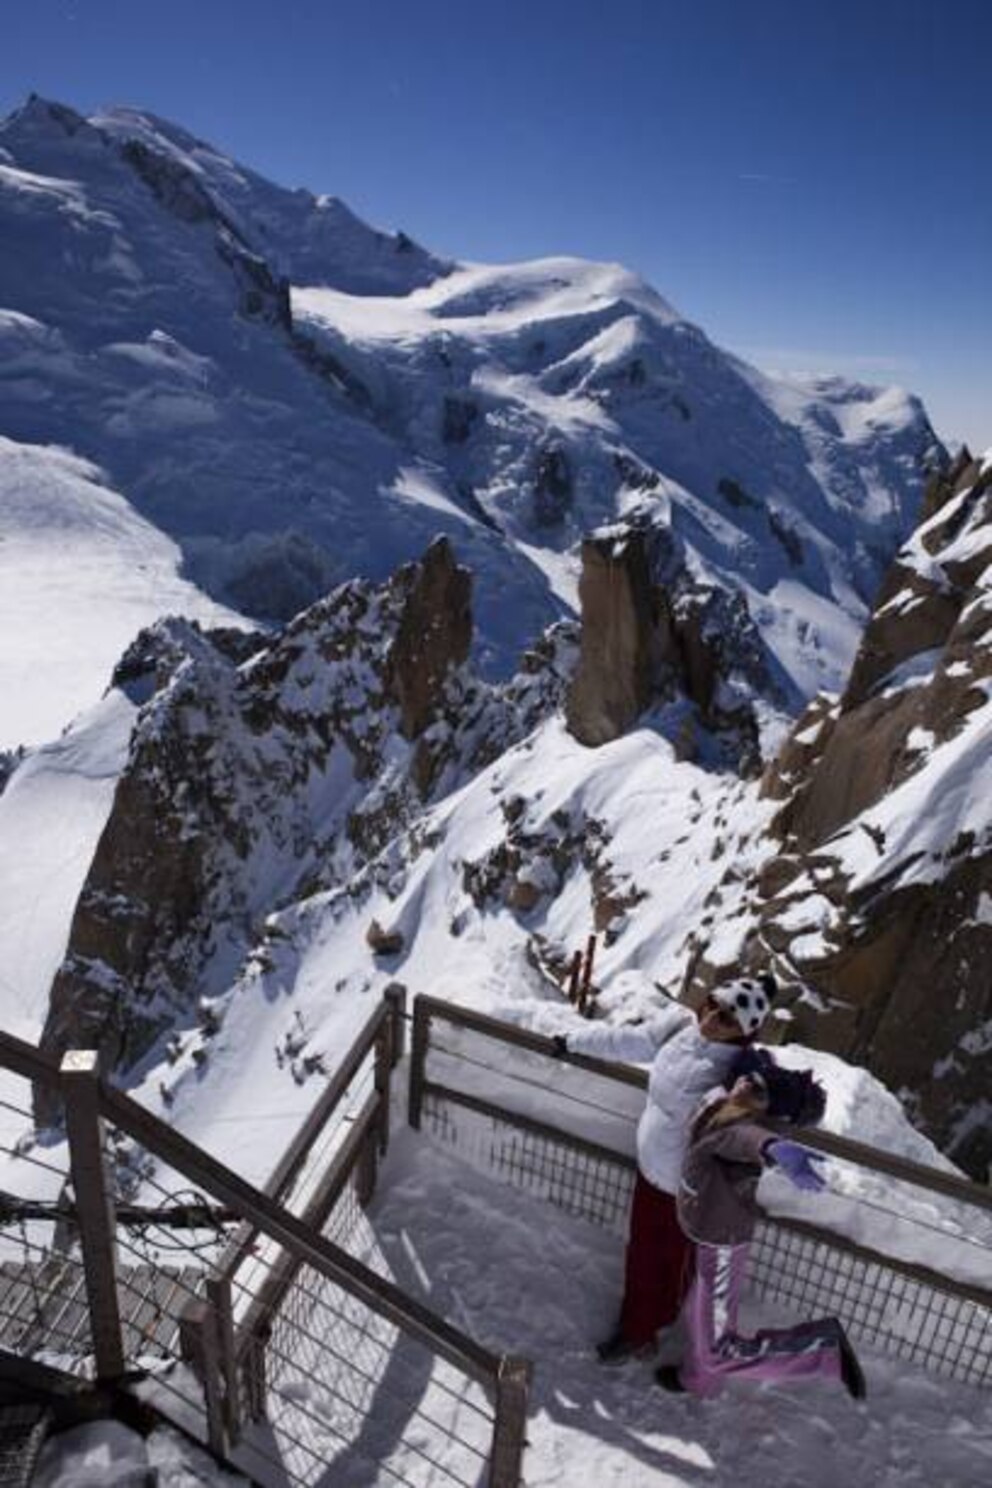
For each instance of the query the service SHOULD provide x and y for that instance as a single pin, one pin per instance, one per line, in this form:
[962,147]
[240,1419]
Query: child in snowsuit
[732,1140]
[689,1054]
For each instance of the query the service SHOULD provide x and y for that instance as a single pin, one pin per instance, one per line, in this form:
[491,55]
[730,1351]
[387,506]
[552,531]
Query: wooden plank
[19,1314]
[65,1312]
[27,1061]
[11,1278]
[138,1306]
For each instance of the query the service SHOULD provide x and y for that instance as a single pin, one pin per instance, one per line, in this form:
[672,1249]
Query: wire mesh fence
[282,1347]
[345,1389]
[583,1183]
[906,1310]
[902,1315]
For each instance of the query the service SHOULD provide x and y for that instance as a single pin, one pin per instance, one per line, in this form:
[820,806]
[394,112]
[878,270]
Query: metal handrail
[270,1218]
[91,1099]
[874,1158]
[294,1158]
[30,1063]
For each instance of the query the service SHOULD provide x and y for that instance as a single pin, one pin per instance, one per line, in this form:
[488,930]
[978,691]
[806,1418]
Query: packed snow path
[522,1277]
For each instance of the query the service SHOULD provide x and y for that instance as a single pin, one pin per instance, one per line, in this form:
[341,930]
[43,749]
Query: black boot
[615,1349]
[669,1378]
[618,1347]
[850,1370]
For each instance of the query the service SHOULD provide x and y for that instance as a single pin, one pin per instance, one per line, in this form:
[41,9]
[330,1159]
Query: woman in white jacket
[689,1055]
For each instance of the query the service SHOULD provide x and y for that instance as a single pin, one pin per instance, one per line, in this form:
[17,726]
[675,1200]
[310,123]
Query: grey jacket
[716,1199]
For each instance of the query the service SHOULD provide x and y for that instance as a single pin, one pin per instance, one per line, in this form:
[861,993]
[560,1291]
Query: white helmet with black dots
[746,999]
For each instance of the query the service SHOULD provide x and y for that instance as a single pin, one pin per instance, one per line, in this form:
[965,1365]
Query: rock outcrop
[880,898]
[653,636]
[266,768]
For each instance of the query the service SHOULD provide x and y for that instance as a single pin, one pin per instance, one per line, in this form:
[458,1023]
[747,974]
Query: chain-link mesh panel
[581,1183]
[348,1391]
[897,1313]
[879,1303]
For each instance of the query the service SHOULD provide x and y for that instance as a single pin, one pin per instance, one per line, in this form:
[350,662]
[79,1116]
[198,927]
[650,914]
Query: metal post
[506,1458]
[219,1298]
[94,1208]
[418,1061]
[395,995]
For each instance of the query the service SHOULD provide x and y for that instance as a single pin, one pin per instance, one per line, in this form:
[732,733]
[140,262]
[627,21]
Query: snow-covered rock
[293,398]
[880,895]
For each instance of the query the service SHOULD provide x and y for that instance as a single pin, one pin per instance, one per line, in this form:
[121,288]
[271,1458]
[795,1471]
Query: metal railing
[287,1352]
[564,1131]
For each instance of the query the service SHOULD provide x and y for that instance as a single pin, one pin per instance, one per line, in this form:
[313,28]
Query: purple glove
[796,1163]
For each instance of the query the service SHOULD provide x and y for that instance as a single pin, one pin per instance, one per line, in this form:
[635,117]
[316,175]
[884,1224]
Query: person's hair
[795,1096]
[728,1107]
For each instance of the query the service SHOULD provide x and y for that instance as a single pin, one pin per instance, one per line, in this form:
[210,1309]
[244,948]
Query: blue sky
[809,181]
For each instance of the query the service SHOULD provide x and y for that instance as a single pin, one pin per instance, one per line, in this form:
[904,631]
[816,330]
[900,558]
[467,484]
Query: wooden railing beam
[270,1218]
[94,1204]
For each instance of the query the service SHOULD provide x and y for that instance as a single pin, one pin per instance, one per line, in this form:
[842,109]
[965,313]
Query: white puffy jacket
[684,1068]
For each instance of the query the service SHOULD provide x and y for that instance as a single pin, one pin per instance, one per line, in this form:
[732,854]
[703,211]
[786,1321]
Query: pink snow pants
[716,1352]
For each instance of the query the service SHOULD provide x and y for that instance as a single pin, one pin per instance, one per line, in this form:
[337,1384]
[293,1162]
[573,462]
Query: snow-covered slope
[80,574]
[293,398]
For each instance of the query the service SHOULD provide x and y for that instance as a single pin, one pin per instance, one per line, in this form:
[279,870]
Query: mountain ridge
[511,408]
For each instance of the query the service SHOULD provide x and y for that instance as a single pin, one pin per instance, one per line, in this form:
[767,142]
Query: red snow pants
[659,1266]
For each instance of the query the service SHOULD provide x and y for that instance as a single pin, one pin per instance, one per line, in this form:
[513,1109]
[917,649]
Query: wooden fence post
[94,1208]
[395,995]
[509,1427]
[219,1298]
[254,1374]
[586,988]
[418,1062]
[574,972]
[200,1346]
[382,1080]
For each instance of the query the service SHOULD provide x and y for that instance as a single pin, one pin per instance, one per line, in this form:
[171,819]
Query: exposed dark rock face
[433,635]
[732,491]
[651,634]
[553,492]
[926,627]
[175,187]
[9,761]
[459,416]
[886,911]
[787,537]
[235,779]
[529,866]
[266,768]
[625,640]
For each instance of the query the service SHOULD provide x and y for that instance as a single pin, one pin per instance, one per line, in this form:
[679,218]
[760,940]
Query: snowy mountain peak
[293,397]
